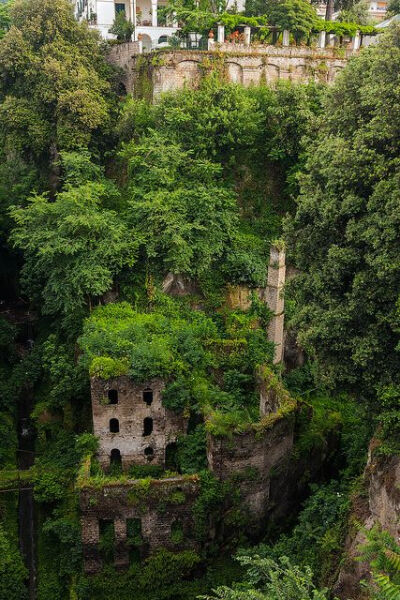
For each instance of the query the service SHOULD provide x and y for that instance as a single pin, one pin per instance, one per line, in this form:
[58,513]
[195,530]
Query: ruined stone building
[134,428]
[132,425]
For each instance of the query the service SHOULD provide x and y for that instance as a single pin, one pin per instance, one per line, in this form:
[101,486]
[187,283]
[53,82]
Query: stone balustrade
[320,40]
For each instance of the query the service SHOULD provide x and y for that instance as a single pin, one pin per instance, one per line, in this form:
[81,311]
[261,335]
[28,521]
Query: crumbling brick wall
[157,504]
[251,458]
[136,409]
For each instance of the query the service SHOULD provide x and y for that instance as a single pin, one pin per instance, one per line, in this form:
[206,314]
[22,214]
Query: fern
[393,559]
[390,589]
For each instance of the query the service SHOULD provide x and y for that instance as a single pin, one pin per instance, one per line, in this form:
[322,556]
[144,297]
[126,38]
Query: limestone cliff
[379,503]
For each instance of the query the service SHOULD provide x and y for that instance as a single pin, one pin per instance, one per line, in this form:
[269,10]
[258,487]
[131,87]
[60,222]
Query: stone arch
[177,531]
[234,72]
[149,453]
[188,72]
[112,396]
[115,457]
[171,462]
[300,73]
[146,42]
[148,396]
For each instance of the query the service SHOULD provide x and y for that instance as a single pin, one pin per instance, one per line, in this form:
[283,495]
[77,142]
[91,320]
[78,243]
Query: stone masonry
[131,423]
[250,458]
[273,295]
[171,70]
[157,509]
[274,299]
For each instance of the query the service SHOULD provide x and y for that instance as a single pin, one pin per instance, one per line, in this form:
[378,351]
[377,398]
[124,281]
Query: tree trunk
[330,7]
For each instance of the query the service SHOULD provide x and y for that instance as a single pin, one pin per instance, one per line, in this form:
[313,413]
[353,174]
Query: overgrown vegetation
[131,233]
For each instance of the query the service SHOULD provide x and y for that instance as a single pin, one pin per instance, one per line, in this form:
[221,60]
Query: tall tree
[73,246]
[54,93]
[345,235]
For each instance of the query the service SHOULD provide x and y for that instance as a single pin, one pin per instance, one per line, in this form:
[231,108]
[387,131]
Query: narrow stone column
[275,301]
[211,43]
[356,42]
[220,33]
[154,13]
[322,39]
[247,35]
[285,38]
[331,40]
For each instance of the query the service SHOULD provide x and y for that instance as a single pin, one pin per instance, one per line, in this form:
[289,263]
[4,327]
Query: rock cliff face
[380,504]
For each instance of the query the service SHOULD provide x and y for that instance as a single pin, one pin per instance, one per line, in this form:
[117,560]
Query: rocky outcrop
[379,503]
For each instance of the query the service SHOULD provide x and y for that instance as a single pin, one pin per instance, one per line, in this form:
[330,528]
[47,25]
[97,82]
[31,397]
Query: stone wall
[157,506]
[379,504]
[170,70]
[124,56]
[136,409]
[250,458]
[239,297]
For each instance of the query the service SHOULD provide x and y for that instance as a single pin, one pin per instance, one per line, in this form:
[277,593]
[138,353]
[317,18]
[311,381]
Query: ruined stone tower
[275,300]
[131,423]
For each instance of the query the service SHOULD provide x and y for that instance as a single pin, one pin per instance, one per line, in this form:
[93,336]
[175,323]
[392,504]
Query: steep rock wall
[380,504]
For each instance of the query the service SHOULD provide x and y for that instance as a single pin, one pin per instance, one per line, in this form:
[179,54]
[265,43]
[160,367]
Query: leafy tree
[73,246]
[5,17]
[345,234]
[179,207]
[393,7]
[297,16]
[12,571]
[356,13]
[54,94]
[122,28]
[267,579]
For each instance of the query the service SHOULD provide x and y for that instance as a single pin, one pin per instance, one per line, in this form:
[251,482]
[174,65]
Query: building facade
[132,425]
[152,26]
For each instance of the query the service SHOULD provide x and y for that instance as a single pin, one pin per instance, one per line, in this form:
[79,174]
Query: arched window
[115,457]
[147,426]
[149,453]
[148,396]
[114,426]
[112,396]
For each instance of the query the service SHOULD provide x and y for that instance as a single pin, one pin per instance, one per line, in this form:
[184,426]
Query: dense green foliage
[270,580]
[107,209]
[297,16]
[344,236]
[122,28]
[54,94]
[12,571]
[73,245]
[206,363]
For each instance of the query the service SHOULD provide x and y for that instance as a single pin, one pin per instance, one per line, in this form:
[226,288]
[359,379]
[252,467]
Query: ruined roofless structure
[131,423]
[133,426]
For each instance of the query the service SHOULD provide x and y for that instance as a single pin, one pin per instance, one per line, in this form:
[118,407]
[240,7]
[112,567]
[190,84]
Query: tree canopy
[74,245]
[345,234]
[54,92]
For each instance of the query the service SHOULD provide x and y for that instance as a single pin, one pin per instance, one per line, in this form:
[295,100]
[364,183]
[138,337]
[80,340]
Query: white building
[151,25]
[143,13]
